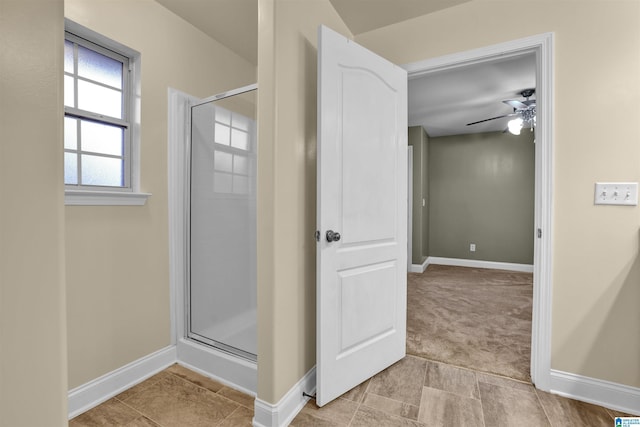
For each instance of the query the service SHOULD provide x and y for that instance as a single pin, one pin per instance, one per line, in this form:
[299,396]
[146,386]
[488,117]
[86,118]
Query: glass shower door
[222,224]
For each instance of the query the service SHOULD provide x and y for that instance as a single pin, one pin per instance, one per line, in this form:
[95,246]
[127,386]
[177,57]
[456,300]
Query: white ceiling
[444,102]
[441,102]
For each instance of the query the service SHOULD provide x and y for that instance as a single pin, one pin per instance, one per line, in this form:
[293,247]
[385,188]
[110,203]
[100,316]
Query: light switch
[616,193]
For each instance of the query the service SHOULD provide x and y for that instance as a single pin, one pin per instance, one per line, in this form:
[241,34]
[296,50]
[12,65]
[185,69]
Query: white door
[362,196]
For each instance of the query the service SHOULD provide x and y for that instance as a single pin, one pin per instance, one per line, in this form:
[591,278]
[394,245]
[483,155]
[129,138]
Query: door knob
[332,236]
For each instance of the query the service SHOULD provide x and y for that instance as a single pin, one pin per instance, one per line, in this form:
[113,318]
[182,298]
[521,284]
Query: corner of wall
[32,273]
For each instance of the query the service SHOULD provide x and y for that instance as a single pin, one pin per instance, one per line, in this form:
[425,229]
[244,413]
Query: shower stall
[219,297]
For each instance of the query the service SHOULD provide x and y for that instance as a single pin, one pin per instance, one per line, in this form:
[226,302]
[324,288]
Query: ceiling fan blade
[518,105]
[492,118]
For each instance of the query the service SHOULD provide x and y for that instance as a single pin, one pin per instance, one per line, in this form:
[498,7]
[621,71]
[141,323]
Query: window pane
[240,165]
[98,170]
[71,168]
[239,139]
[68,91]
[99,99]
[222,134]
[221,183]
[222,161]
[240,184]
[99,68]
[68,56]
[70,133]
[101,138]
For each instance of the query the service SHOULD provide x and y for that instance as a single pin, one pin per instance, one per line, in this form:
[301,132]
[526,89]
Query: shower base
[236,372]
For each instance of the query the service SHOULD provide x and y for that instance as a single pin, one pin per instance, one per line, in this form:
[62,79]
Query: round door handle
[332,236]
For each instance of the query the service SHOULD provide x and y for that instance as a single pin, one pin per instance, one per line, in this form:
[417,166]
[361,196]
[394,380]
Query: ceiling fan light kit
[523,111]
[528,118]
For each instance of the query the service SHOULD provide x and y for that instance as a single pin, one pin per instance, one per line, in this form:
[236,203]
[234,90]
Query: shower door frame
[188,333]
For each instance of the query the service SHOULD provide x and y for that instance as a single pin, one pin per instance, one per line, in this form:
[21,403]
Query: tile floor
[413,392]
[173,397]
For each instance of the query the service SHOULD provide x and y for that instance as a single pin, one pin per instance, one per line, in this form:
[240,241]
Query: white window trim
[111,196]
[104,198]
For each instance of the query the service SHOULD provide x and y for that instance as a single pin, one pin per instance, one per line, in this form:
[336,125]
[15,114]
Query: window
[99,146]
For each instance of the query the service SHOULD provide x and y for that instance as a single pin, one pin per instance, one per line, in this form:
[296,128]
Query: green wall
[481,189]
[420,242]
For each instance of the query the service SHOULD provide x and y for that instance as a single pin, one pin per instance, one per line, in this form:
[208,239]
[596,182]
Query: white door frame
[542,46]
[409,208]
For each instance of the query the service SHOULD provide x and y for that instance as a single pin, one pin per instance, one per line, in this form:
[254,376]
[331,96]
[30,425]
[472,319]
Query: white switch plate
[472,247]
[616,193]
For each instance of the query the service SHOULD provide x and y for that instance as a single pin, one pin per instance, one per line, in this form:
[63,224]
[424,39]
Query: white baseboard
[282,413]
[93,393]
[525,268]
[420,268]
[599,392]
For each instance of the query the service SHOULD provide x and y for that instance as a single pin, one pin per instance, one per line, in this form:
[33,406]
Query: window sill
[104,198]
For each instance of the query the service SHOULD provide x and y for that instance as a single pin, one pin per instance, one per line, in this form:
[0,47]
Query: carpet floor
[473,318]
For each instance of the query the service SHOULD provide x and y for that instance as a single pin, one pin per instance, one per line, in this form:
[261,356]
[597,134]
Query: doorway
[541,47]
[470,308]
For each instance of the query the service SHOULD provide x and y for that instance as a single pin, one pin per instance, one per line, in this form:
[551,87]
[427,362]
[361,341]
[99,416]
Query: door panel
[369,317]
[362,194]
[370,120]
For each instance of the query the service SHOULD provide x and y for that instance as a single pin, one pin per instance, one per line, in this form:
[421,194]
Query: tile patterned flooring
[173,397]
[413,392]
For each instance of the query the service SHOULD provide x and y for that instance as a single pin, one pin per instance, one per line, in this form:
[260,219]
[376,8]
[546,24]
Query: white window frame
[130,194]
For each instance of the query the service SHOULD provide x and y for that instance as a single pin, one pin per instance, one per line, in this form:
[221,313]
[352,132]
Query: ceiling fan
[524,111]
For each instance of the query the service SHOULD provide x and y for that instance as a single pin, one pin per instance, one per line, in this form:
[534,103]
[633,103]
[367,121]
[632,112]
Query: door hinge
[539,233]
[317,235]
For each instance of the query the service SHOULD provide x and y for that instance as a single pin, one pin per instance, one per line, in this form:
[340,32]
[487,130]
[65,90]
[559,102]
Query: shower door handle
[332,236]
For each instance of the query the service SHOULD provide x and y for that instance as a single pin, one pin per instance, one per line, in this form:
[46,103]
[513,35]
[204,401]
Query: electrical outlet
[616,193]
[472,247]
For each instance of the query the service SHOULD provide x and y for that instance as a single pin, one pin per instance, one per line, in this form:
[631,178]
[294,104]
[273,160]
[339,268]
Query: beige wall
[33,364]
[287,51]
[481,189]
[596,266]
[117,257]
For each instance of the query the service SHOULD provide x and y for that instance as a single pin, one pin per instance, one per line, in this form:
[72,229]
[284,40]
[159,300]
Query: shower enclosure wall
[220,214]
